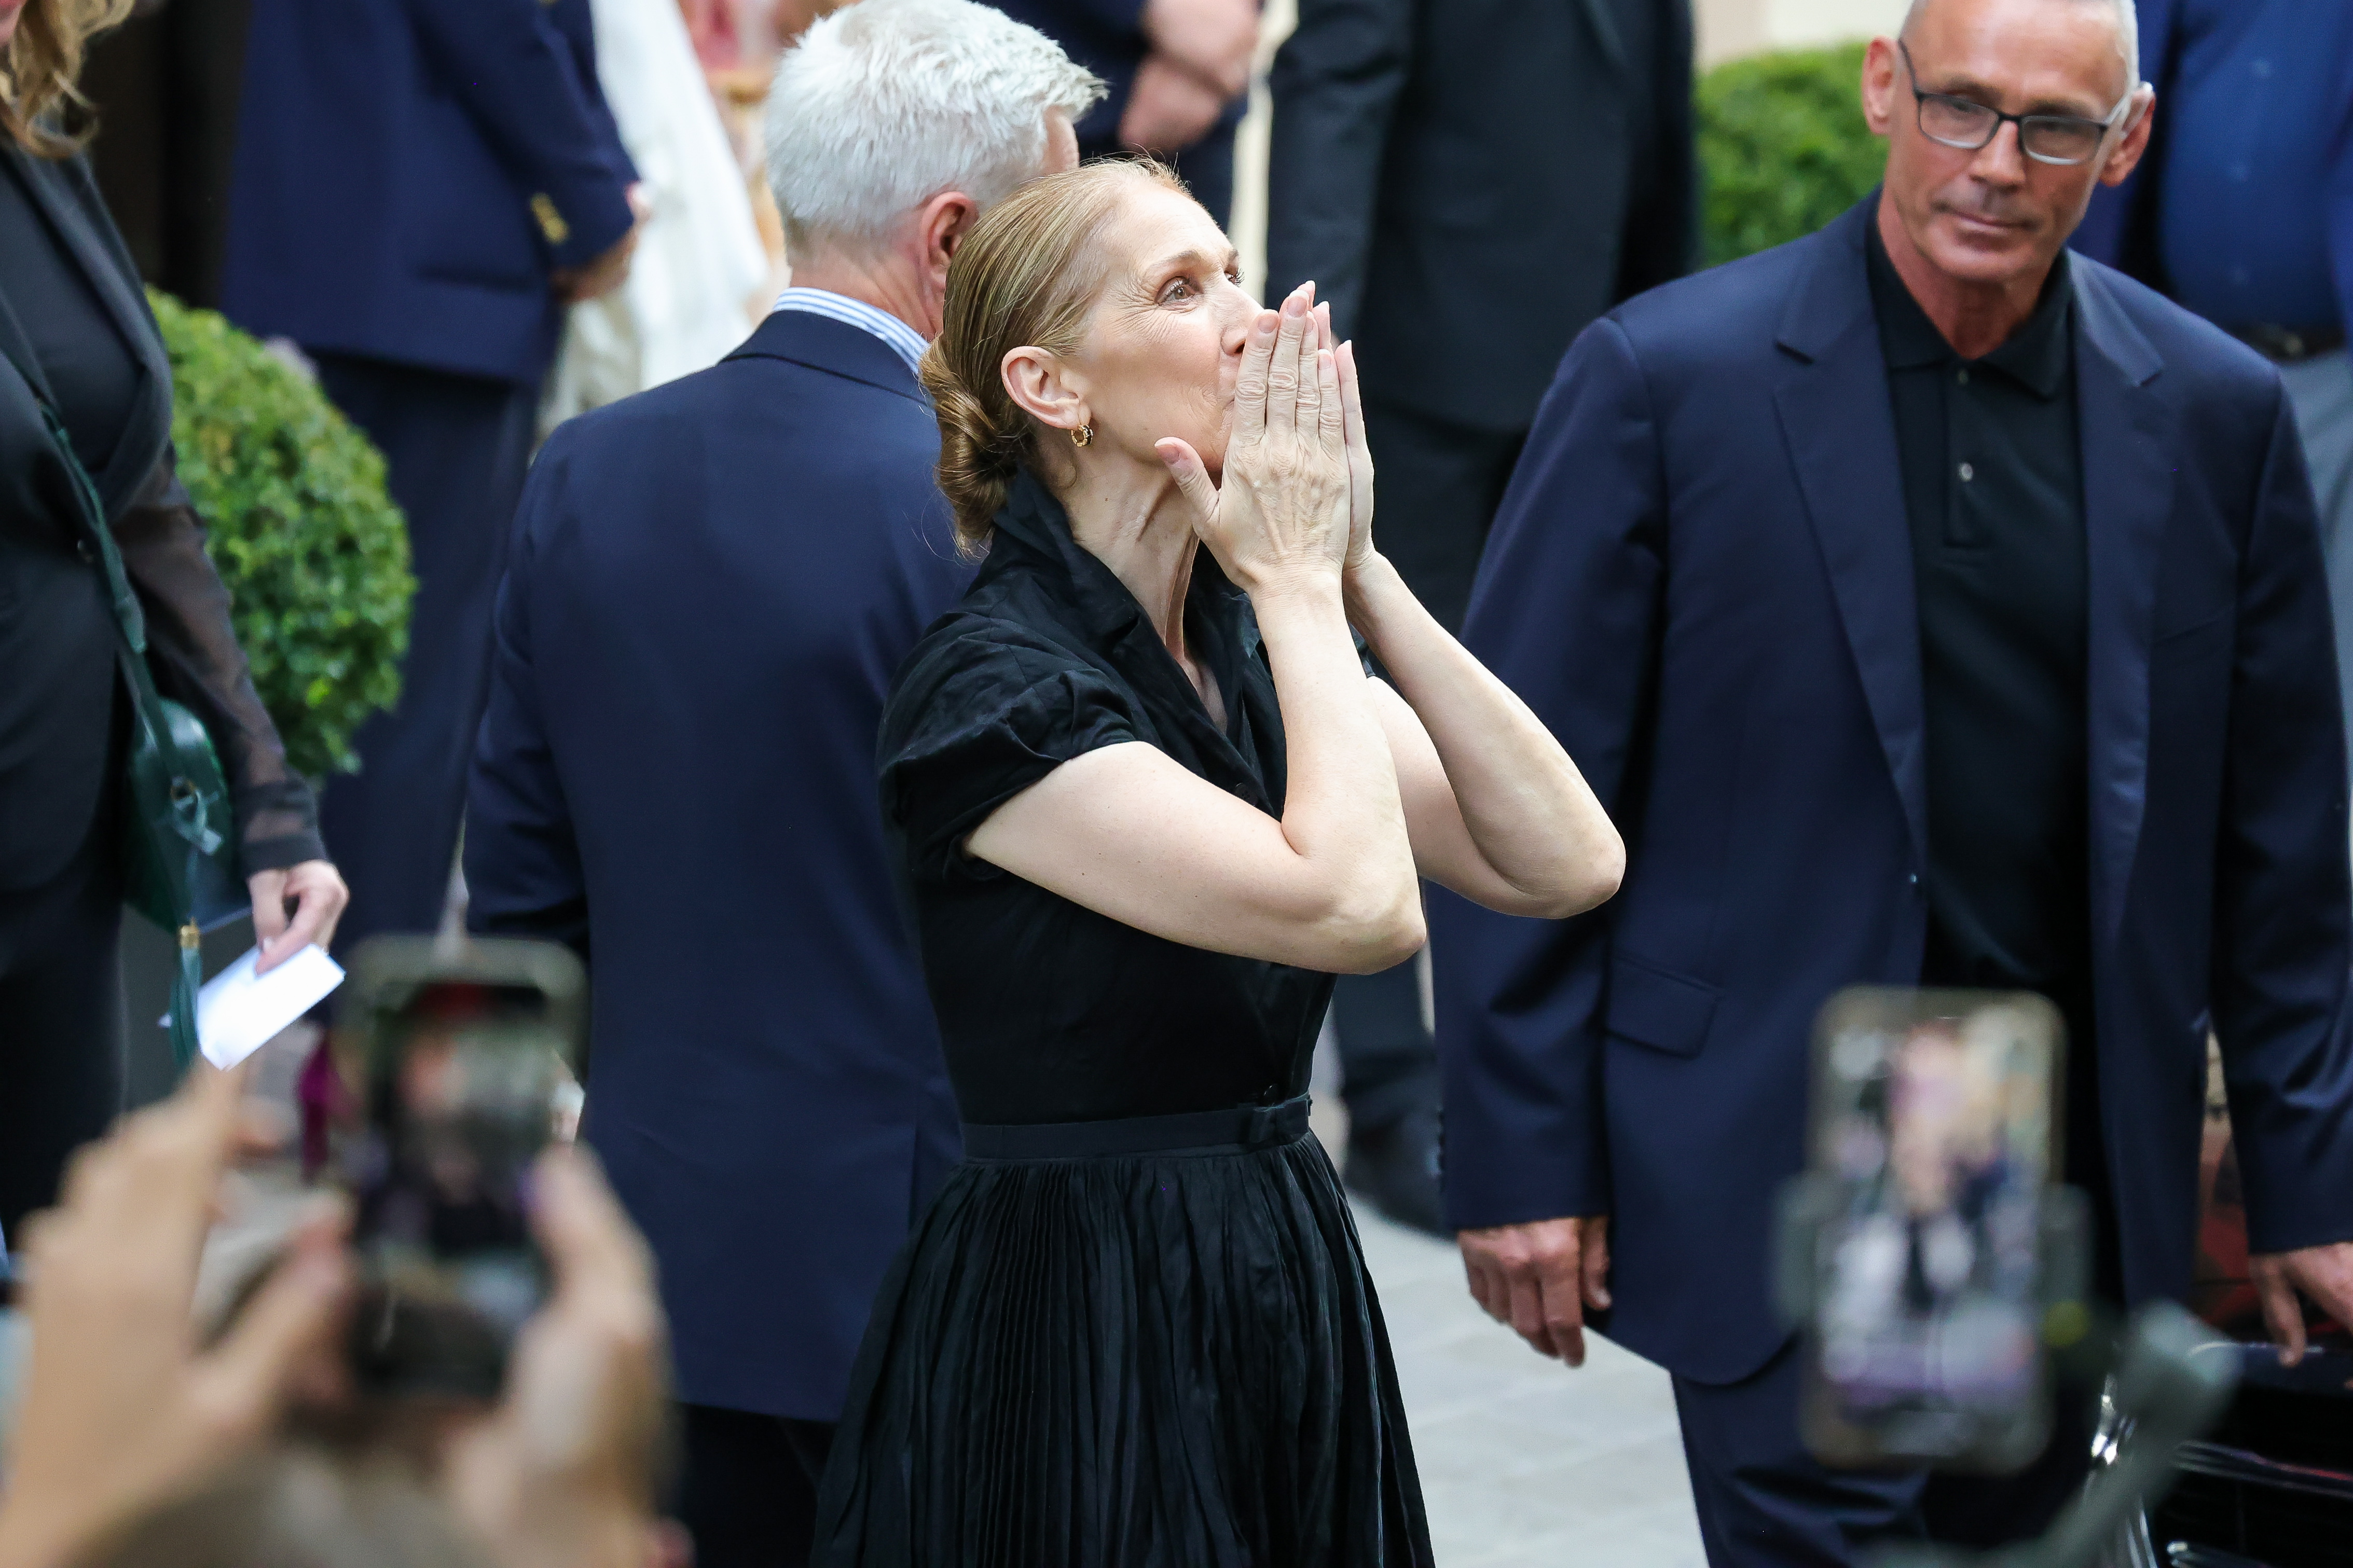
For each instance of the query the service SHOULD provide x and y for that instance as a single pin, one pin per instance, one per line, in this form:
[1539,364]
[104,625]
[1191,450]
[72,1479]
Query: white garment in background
[699,272]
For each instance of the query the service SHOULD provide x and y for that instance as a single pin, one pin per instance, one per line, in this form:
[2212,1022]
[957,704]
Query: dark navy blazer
[2121,229]
[408,172]
[710,585]
[1701,579]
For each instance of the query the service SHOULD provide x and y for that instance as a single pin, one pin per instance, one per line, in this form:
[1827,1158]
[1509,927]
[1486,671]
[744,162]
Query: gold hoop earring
[1083,436]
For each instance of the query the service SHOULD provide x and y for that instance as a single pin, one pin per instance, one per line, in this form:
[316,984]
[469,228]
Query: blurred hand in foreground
[562,1474]
[122,1410]
[1539,1277]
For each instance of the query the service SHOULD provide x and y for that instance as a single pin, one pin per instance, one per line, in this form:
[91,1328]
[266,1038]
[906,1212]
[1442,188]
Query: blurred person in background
[420,185]
[77,342]
[712,584]
[146,1438]
[700,275]
[2243,211]
[1178,72]
[1939,608]
[1468,182]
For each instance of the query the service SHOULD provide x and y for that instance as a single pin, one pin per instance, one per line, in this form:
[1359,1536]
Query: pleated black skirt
[1163,1360]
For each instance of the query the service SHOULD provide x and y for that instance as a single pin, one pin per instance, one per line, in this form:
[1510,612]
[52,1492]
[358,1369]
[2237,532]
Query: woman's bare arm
[1496,809]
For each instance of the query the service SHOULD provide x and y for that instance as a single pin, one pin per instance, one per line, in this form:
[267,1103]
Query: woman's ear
[1044,386]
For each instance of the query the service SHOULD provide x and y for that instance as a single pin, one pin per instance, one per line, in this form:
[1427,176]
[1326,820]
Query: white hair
[886,103]
[2128,32]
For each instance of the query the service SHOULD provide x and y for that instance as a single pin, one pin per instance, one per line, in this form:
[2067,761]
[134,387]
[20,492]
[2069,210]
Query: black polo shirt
[1993,491]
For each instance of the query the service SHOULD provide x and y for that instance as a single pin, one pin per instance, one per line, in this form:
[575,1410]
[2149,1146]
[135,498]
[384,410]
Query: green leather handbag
[179,838]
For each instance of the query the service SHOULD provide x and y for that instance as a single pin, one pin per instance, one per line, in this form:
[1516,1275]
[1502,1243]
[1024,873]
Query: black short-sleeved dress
[1134,1331]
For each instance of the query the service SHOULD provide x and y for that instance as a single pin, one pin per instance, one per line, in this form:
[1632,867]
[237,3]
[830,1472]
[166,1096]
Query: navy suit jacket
[2121,227]
[409,171]
[711,584]
[1701,579]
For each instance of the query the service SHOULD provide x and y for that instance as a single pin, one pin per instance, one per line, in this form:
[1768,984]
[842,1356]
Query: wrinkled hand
[121,1410]
[561,1473]
[316,891]
[1360,452]
[1281,514]
[1168,107]
[2323,1273]
[1539,1277]
[1213,39]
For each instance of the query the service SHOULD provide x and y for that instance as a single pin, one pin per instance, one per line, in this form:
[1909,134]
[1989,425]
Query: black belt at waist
[1238,1130]
[2291,345]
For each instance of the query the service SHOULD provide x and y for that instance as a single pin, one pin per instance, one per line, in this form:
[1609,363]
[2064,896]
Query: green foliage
[1784,147]
[314,555]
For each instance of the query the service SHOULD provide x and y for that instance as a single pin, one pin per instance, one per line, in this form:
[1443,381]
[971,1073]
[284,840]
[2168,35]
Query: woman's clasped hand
[1283,511]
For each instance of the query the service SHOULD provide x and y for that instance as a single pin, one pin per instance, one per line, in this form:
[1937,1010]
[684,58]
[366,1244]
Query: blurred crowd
[636,298]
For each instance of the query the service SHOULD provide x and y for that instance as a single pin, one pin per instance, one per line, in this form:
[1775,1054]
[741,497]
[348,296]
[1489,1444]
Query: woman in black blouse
[75,334]
[1145,801]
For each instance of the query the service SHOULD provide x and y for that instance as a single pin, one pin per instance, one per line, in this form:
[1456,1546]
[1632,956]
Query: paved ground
[1524,1463]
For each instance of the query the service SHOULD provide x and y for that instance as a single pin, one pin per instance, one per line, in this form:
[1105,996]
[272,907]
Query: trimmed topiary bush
[1783,147]
[314,553]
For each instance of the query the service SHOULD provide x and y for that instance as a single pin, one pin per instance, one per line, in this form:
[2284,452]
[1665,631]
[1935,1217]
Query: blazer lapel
[107,271]
[822,342]
[2126,432]
[1606,35]
[1840,426]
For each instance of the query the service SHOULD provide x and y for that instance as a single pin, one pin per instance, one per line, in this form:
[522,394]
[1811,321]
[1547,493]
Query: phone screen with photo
[1933,1146]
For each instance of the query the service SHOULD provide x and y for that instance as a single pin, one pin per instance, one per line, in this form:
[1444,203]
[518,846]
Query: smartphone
[459,1062]
[1932,1249]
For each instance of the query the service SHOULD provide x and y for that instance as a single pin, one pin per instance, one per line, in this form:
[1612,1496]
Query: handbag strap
[191,816]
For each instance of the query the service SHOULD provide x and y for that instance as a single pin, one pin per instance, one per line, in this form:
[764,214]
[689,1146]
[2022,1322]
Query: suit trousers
[2321,390]
[1765,1502]
[1438,486]
[61,1030]
[747,1491]
[455,449]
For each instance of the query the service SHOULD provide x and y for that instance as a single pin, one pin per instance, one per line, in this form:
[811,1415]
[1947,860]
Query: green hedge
[314,553]
[1783,147]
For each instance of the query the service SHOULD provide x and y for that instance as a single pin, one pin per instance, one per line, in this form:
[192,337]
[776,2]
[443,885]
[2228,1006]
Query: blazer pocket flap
[1652,1008]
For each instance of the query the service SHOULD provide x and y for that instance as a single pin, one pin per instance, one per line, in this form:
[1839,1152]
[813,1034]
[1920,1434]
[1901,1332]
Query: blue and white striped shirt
[904,339]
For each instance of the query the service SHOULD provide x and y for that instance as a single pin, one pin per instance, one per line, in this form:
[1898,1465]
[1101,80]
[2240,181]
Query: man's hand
[610,271]
[1540,1276]
[121,1410]
[1213,39]
[1168,109]
[316,891]
[2323,1273]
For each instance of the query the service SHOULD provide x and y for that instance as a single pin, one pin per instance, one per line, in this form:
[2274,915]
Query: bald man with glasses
[1931,607]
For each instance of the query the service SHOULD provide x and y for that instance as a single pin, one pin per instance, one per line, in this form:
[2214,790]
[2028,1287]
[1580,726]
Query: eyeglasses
[2062,139]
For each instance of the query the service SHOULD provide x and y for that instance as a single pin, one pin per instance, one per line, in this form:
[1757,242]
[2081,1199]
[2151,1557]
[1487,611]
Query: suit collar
[824,343]
[2129,433]
[1839,423]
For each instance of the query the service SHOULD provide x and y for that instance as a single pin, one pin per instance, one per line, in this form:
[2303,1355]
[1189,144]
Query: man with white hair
[1930,607]
[710,585]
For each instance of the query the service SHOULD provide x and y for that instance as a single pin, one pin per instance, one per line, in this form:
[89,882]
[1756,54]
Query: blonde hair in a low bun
[1025,277]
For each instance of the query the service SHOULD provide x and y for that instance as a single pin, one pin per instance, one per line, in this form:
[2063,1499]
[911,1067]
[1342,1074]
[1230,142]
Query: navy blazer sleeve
[1336,84]
[516,74]
[2281,896]
[1567,613]
[523,875]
